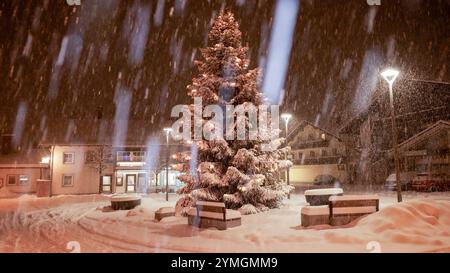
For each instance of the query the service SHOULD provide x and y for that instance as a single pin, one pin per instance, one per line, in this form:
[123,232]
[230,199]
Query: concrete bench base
[125,203]
[315,215]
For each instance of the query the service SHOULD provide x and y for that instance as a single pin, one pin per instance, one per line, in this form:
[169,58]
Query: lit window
[68,158]
[23,180]
[323,136]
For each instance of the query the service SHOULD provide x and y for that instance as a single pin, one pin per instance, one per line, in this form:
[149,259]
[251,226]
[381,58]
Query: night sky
[61,66]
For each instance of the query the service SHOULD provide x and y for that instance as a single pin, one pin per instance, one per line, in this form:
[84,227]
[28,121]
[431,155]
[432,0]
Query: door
[106,184]
[131,183]
[142,182]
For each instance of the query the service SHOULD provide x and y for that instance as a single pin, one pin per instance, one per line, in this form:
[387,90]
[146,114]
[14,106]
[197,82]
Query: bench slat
[211,215]
[210,208]
[354,203]
[210,204]
[354,210]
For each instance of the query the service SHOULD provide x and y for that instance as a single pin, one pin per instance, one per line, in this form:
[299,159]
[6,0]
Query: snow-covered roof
[30,158]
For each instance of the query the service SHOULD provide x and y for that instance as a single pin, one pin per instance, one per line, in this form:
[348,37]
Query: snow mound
[140,211]
[420,221]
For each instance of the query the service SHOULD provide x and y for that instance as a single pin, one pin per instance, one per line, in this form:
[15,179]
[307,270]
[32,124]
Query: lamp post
[286,117]
[167,130]
[390,75]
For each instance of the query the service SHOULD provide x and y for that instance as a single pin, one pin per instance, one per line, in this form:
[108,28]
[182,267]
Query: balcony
[135,156]
[310,144]
[320,160]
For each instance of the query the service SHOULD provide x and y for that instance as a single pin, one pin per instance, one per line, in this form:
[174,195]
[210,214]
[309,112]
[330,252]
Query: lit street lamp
[167,130]
[286,117]
[390,75]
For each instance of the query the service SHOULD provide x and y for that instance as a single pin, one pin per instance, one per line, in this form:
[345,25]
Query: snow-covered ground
[58,224]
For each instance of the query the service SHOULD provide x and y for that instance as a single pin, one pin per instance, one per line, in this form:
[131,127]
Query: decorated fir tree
[237,172]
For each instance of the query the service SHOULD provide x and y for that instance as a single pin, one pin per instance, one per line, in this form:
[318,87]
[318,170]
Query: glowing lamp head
[286,117]
[45,160]
[390,75]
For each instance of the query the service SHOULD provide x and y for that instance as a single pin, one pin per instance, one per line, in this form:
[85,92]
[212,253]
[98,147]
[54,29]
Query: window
[341,167]
[106,184]
[23,180]
[68,158]
[67,180]
[323,136]
[312,154]
[324,153]
[11,180]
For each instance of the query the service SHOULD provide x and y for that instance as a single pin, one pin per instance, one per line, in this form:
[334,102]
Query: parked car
[327,180]
[406,178]
[429,181]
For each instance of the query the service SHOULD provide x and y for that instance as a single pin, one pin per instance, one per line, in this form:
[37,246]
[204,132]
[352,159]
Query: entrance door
[106,184]
[131,183]
[142,182]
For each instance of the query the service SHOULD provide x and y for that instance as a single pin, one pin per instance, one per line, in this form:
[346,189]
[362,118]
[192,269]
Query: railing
[310,144]
[319,161]
[130,156]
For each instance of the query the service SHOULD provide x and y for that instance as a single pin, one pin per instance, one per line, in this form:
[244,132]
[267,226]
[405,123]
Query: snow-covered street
[57,224]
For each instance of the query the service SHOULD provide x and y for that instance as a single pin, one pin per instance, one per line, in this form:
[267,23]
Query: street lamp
[286,117]
[390,75]
[167,130]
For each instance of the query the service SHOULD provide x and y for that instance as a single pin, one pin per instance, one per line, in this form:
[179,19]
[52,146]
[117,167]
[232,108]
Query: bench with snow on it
[213,214]
[125,202]
[315,215]
[320,197]
[164,212]
[345,209]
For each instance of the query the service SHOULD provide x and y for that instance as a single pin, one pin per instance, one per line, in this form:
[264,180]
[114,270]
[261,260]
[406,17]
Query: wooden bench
[213,214]
[344,209]
[315,215]
[123,202]
[320,197]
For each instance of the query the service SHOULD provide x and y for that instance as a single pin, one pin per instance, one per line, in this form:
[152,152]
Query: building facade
[419,105]
[88,169]
[315,152]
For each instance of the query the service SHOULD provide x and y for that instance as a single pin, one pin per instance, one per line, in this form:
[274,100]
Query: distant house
[316,151]
[102,168]
[418,105]
[429,150]
[19,172]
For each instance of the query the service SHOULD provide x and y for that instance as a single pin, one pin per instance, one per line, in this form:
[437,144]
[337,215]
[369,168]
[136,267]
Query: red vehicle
[431,182]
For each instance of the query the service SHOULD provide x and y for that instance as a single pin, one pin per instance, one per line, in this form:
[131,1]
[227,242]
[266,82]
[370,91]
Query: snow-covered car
[429,181]
[327,180]
[406,178]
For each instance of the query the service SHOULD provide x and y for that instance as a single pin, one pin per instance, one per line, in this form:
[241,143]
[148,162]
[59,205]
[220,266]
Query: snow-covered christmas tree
[237,172]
